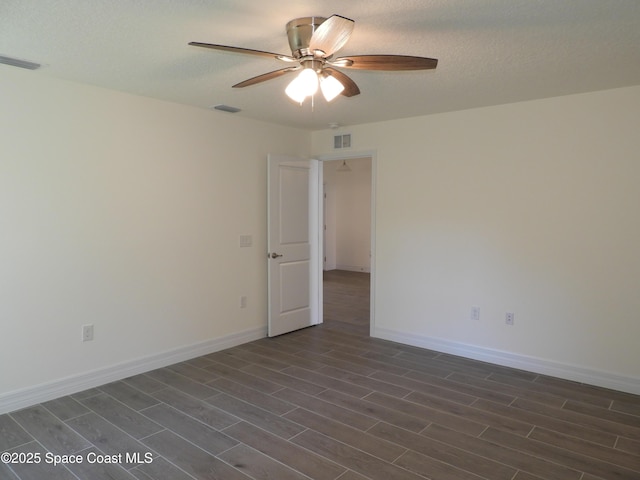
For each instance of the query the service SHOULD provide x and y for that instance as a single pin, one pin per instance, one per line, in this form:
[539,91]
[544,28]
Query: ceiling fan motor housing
[299,32]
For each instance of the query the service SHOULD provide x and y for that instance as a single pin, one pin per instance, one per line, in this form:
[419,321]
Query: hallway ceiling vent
[342,141]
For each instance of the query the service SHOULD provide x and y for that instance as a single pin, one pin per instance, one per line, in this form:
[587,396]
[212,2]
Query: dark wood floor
[327,403]
[346,298]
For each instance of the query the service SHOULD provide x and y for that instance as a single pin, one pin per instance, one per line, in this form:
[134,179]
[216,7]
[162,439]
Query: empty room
[319,240]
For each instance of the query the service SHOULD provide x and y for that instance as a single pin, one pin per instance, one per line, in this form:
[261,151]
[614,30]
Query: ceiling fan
[313,42]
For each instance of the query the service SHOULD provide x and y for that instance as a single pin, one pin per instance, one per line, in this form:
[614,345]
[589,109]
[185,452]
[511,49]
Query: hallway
[346,298]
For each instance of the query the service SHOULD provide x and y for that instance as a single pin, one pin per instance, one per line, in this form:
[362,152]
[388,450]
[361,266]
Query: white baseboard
[354,268]
[523,362]
[66,386]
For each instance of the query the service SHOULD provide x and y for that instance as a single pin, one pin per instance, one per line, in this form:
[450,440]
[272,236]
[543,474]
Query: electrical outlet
[87,333]
[243,301]
[475,313]
[508,318]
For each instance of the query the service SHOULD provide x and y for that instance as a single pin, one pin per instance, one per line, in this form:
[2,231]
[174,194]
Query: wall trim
[523,362]
[353,268]
[76,383]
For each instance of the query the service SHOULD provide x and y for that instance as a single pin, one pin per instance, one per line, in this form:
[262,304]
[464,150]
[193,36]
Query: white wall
[348,215]
[124,212]
[530,208]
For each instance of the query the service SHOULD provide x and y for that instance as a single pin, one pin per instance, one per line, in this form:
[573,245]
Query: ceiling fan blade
[249,51]
[266,76]
[331,35]
[350,87]
[388,62]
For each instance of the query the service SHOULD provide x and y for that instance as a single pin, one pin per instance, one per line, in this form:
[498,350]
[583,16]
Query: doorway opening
[347,243]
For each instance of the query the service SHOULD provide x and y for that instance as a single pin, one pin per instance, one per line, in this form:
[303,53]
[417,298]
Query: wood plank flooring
[330,403]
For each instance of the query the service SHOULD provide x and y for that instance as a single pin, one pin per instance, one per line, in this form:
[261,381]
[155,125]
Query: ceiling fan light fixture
[331,87]
[303,86]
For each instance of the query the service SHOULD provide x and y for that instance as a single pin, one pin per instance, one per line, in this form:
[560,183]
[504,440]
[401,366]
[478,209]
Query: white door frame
[320,217]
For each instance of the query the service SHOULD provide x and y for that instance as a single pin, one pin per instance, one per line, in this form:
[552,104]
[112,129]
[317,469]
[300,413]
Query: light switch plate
[246,240]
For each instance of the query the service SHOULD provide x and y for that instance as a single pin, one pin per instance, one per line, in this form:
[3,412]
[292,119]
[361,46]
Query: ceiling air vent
[15,62]
[226,108]
[342,141]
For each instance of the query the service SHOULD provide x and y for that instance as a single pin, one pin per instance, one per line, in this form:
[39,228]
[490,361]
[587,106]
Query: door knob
[275,255]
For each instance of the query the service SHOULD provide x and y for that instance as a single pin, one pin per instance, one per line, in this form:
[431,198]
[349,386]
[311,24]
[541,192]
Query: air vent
[226,108]
[15,62]
[342,141]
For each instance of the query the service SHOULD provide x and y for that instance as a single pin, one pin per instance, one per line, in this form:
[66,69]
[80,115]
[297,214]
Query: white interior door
[293,244]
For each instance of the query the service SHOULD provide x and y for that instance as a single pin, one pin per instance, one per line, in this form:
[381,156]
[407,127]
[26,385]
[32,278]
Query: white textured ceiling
[490,51]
